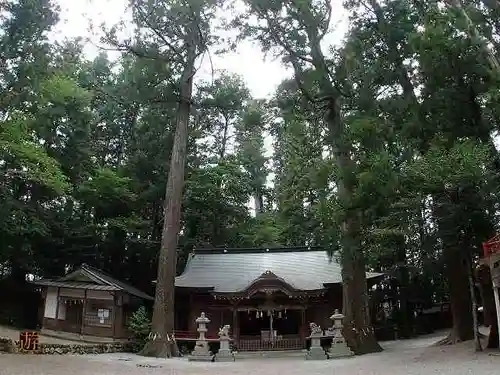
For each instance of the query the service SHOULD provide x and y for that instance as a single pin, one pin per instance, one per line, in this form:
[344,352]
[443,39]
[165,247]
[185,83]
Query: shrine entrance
[277,322]
[269,318]
[270,329]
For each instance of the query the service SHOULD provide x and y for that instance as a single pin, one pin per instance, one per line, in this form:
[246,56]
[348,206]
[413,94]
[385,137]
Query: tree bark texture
[460,298]
[357,327]
[475,320]
[489,307]
[358,330]
[161,342]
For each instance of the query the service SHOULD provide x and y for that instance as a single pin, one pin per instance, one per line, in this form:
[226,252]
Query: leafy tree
[297,28]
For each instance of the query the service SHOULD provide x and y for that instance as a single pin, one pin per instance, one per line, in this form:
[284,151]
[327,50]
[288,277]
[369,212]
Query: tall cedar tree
[297,28]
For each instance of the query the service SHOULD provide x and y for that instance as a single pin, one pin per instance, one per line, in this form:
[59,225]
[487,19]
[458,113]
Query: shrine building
[88,304]
[267,295]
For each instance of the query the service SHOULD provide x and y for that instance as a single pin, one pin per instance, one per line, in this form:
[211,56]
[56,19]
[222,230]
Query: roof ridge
[257,250]
[98,274]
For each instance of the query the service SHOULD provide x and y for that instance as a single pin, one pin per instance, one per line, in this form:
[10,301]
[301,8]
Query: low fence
[252,344]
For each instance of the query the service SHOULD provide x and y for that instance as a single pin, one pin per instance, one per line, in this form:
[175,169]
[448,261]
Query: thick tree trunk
[406,317]
[358,331]
[475,320]
[357,326]
[161,342]
[489,307]
[460,299]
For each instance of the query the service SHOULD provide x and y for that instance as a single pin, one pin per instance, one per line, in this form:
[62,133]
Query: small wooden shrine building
[267,295]
[89,302]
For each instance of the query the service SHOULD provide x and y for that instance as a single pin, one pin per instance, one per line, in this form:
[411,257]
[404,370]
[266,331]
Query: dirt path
[409,357]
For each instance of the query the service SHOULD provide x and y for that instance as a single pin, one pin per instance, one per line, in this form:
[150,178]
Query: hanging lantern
[279,315]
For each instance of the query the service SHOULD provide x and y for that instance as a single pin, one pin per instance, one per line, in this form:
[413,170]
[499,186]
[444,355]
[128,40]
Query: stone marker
[224,354]
[339,346]
[316,351]
[201,352]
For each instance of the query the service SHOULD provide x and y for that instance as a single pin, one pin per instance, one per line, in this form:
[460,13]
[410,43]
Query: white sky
[262,76]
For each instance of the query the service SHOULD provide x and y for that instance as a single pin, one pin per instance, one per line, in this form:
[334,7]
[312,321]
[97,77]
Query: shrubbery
[139,325]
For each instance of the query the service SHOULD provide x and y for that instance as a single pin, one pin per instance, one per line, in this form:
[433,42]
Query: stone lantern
[202,322]
[339,346]
[201,352]
[338,319]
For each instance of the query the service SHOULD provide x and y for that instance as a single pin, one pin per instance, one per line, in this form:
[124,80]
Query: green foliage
[139,324]
[464,164]
[25,159]
[84,145]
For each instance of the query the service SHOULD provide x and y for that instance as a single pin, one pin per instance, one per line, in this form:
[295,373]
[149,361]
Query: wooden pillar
[191,318]
[236,328]
[84,309]
[303,326]
[41,314]
[114,314]
[57,303]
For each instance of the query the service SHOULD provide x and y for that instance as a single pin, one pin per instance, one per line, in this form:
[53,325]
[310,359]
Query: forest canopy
[383,145]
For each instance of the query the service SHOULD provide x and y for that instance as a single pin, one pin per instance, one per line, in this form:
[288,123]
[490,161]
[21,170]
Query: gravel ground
[409,357]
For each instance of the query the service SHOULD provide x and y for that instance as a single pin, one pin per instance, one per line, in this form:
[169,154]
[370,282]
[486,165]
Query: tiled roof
[116,283]
[75,285]
[98,280]
[232,271]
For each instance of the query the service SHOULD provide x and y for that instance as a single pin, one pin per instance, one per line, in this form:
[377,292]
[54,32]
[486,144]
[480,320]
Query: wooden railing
[249,343]
[193,335]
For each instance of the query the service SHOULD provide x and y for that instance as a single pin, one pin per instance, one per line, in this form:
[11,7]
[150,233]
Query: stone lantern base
[339,349]
[201,352]
[316,354]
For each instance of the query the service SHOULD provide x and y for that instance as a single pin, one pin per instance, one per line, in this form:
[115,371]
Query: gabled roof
[234,270]
[87,277]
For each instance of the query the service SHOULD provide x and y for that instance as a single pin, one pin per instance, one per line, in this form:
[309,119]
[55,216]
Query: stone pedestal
[339,346]
[316,352]
[224,354]
[201,352]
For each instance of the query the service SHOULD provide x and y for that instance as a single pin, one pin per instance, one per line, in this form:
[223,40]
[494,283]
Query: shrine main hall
[267,295]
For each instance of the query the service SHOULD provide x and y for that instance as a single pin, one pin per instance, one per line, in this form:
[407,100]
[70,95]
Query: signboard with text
[29,341]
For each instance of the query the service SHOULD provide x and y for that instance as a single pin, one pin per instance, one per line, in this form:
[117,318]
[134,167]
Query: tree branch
[145,19]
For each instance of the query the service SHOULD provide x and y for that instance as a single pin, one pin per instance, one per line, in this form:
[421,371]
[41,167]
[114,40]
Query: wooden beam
[113,314]
[236,328]
[57,303]
[84,310]
[274,307]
